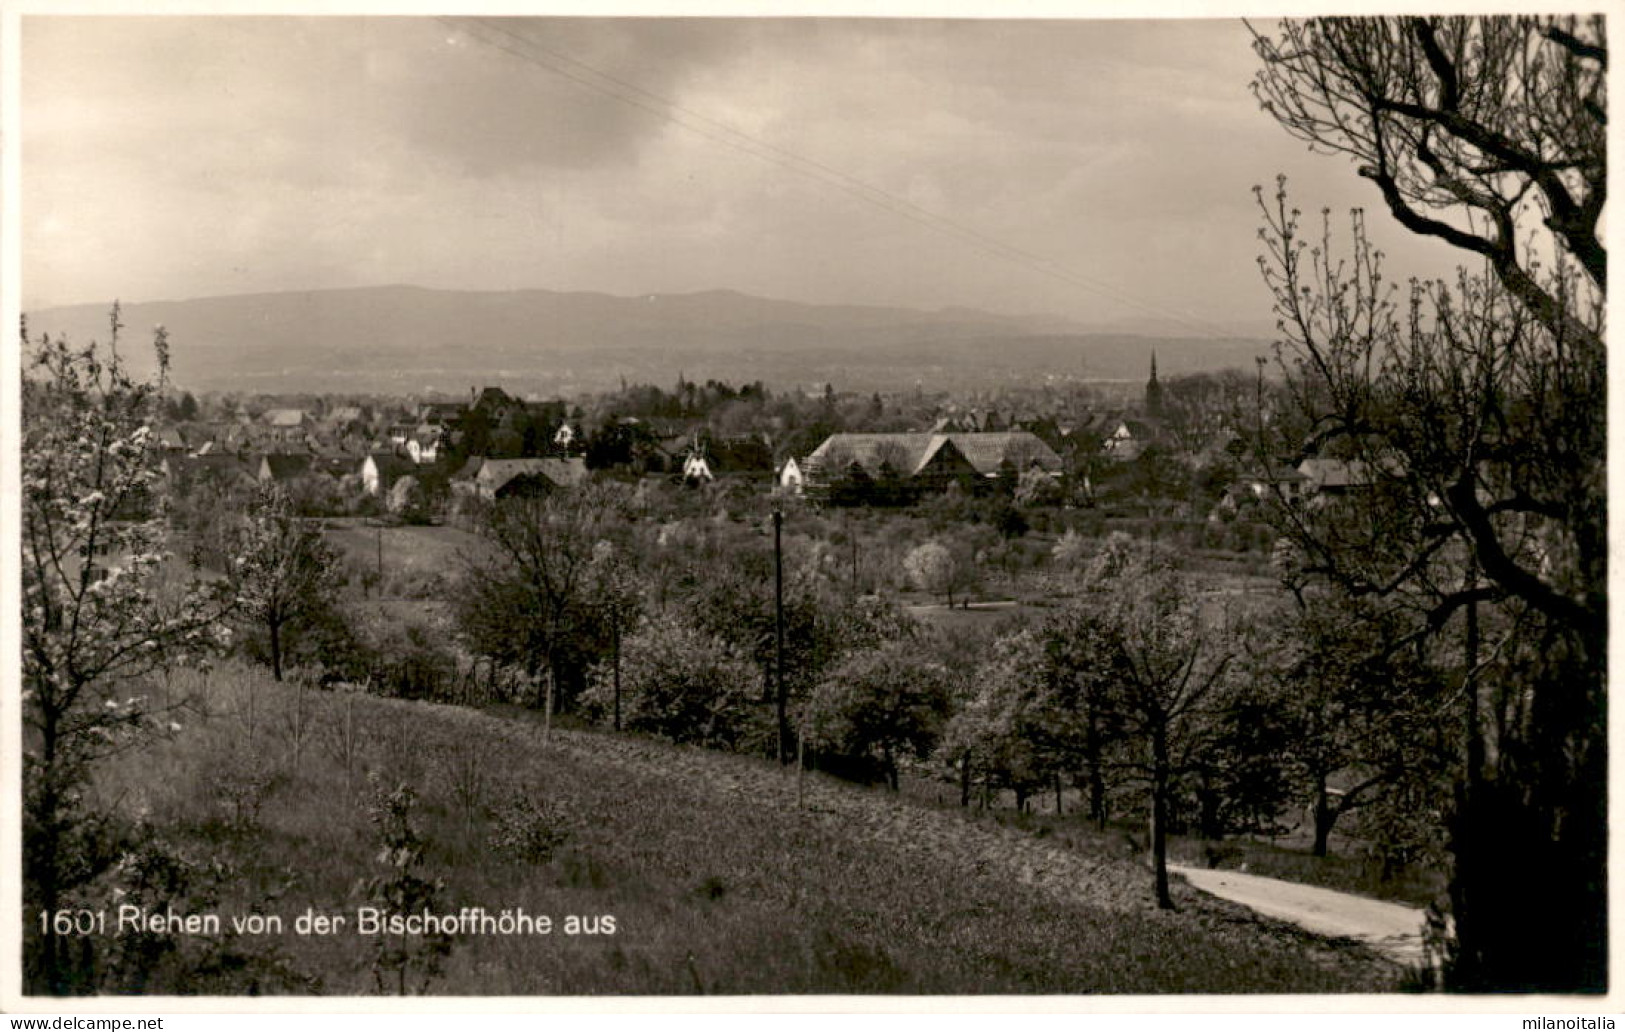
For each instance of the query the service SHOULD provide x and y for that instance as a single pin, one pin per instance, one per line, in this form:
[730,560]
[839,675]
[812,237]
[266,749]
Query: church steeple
[1153,390]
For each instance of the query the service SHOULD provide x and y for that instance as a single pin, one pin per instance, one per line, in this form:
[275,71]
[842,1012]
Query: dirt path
[1390,928]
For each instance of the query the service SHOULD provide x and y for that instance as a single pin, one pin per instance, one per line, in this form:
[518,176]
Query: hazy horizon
[1148,324]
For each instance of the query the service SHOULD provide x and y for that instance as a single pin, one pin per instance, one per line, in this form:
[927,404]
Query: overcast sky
[178,157]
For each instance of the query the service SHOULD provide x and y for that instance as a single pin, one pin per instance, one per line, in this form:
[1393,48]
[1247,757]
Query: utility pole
[778,631]
[852,543]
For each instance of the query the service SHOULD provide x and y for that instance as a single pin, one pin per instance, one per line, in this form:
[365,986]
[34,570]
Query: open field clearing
[414,560]
[718,882]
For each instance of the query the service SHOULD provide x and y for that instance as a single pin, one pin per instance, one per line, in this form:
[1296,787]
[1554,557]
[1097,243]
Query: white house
[695,467]
[380,470]
[791,478]
[1127,439]
[424,445]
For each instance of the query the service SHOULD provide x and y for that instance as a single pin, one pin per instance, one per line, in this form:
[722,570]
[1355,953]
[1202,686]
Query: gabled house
[503,478]
[424,444]
[790,476]
[285,424]
[282,467]
[1125,439]
[380,470]
[441,413]
[697,467]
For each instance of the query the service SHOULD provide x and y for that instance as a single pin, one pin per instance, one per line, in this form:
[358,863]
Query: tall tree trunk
[275,625]
[547,709]
[1095,776]
[1096,784]
[616,645]
[964,781]
[43,842]
[1325,817]
[1159,813]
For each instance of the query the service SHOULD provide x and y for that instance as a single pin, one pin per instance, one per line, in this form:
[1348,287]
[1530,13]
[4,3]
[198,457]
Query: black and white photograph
[794,505]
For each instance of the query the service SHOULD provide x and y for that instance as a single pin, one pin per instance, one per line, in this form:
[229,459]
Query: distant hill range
[403,340]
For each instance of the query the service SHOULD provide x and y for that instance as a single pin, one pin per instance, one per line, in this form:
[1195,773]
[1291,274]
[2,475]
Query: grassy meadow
[721,874]
[416,561]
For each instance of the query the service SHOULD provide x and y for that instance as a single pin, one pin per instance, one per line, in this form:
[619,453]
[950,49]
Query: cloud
[500,95]
[173,157]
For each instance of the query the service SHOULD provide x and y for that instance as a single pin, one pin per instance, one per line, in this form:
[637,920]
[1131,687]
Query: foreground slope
[718,882]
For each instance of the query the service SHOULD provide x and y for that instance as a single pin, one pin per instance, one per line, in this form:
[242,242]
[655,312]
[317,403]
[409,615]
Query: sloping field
[717,881]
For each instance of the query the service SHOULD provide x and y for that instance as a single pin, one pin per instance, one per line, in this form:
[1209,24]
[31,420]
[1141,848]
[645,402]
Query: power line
[529,50]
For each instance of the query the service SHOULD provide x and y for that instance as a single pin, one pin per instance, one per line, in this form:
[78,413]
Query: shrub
[242,791]
[677,682]
[527,829]
[879,706]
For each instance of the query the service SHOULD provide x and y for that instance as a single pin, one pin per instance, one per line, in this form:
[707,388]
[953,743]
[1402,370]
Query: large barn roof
[1025,449]
[908,453]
